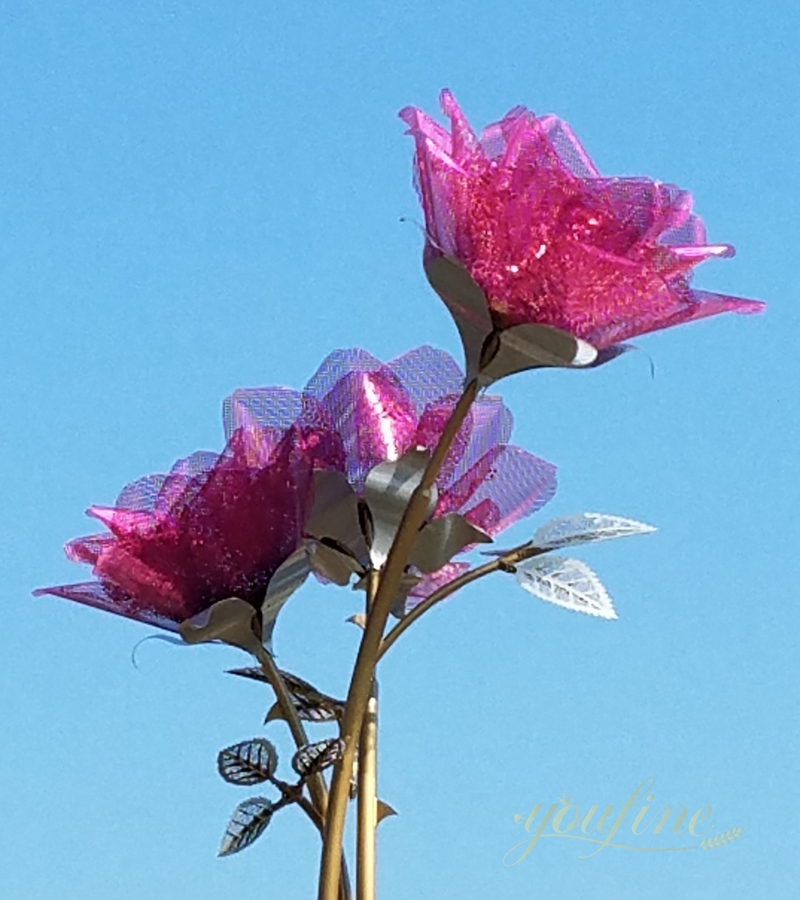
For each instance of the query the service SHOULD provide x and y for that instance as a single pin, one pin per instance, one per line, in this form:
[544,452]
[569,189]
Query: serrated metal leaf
[247,823]
[249,762]
[584,528]
[313,758]
[566,582]
[310,704]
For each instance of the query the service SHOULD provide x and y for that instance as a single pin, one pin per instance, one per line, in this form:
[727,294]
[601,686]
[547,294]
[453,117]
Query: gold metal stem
[367,817]
[316,785]
[367,823]
[518,554]
[361,681]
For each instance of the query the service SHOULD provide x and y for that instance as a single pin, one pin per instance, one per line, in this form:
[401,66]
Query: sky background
[201,196]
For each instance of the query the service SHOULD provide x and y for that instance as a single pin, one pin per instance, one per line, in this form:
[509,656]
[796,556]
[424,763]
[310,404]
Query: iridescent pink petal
[550,241]
[487,425]
[427,374]
[376,411]
[518,485]
[110,599]
[368,408]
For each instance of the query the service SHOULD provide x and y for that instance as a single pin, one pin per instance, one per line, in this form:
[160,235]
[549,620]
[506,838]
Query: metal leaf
[584,528]
[387,490]
[467,305]
[311,704]
[568,583]
[533,346]
[313,758]
[247,823]
[250,762]
[335,513]
[440,540]
[233,621]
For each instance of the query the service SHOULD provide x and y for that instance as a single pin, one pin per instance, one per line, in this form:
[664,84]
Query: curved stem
[444,591]
[501,564]
[361,681]
[316,784]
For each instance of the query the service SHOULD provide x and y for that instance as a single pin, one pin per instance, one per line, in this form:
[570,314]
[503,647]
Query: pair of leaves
[570,583]
[247,763]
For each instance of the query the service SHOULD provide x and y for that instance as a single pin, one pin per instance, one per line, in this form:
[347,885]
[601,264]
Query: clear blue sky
[200,196]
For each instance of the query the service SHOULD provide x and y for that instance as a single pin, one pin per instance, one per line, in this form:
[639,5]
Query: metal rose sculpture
[385,477]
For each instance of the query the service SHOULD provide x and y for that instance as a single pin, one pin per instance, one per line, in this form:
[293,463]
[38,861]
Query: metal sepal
[492,353]
[288,577]
[334,514]
[387,491]
[332,564]
[233,621]
[440,540]
[407,582]
[467,305]
[533,346]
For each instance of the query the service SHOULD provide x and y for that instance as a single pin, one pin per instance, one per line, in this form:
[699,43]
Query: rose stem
[502,563]
[316,784]
[361,681]
[367,820]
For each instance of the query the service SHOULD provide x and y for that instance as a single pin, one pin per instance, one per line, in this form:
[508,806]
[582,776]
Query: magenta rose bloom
[549,240]
[376,412]
[219,525]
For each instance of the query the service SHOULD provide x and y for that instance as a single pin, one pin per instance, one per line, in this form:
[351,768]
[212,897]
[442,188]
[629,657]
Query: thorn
[359,619]
[384,811]
[275,712]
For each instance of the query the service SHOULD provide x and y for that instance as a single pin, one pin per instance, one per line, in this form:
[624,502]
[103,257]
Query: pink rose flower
[219,525]
[551,241]
[376,412]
